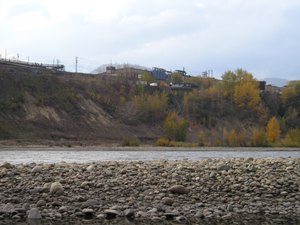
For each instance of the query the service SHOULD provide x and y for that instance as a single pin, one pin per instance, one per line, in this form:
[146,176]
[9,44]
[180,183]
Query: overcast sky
[261,36]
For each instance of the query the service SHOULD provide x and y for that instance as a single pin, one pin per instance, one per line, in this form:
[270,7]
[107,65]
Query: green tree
[290,107]
[259,138]
[147,77]
[292,138]
[151,107]
[232,138]
[241,87]
[291,91]
[201,138]
[176,78]
[229,81]
[175,127]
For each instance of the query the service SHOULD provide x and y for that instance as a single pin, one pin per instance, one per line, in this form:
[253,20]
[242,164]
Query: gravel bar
[158,191]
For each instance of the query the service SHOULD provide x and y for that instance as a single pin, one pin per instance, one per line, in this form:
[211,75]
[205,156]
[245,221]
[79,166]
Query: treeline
[228,112]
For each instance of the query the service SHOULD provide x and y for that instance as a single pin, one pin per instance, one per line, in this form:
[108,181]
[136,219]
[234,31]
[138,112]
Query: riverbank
[139,148]
[155,190]
[113,146]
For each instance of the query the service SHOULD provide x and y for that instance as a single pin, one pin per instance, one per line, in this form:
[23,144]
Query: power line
[76,64]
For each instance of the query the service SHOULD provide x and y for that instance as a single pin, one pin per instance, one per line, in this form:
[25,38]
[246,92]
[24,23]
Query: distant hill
[102,68]
[278,82]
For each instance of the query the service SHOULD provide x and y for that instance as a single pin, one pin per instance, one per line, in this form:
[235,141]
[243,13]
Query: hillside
[61,108]
[55,108]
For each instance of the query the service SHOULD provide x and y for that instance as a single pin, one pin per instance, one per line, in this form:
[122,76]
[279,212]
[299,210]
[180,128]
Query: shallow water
[85,155]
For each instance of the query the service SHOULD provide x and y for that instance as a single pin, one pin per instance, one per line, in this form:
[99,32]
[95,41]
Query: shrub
[259,138]
[175,127]
[4,133]
[201,138]
[131,142]
[162,142]
[165,142]
[292,138]
[230,138]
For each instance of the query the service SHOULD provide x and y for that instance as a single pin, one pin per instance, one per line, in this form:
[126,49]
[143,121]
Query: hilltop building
[130,73]
[160,74]
[133,73]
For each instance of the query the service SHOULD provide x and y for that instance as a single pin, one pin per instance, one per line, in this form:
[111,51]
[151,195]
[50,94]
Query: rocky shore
[179,191]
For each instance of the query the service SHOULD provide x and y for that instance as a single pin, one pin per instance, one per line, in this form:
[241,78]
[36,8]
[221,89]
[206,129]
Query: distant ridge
[278,82]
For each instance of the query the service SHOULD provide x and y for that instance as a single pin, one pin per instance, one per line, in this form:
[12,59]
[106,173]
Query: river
[92,154]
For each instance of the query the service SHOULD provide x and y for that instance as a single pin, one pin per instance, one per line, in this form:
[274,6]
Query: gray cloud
[259,35]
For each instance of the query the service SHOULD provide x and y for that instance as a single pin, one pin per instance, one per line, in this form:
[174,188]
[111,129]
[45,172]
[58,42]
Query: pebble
[34,213]
[37,169]
[167,201]
[111,213]
[129,213]
[89,203]
[41,203]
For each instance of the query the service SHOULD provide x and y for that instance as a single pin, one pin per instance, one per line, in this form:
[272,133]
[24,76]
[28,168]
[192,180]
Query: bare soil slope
[61,108]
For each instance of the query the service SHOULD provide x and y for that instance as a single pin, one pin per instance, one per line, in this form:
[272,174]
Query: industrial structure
[34,66]
[133,73]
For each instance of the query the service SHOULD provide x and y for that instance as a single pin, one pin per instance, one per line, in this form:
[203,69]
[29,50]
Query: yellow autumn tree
[273,130]
[246,93]
[232,138]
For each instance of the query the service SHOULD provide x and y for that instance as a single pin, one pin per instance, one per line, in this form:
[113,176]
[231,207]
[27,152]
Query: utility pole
[5,54]
[76,63]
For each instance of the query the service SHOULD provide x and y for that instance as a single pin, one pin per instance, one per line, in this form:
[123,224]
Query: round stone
[34,213]
[56,188]
[179,189]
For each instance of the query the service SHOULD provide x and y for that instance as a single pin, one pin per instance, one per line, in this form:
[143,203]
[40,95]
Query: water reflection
[241,221]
